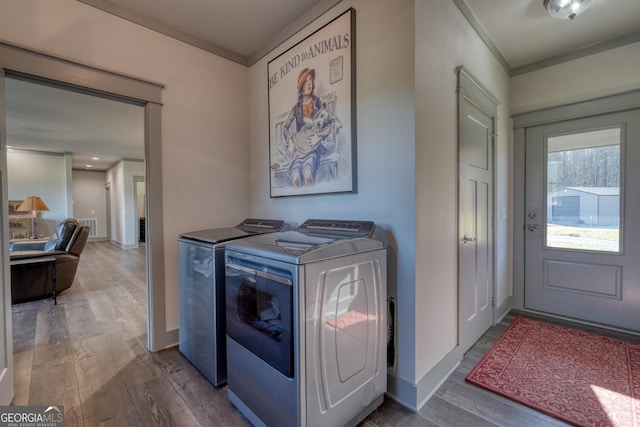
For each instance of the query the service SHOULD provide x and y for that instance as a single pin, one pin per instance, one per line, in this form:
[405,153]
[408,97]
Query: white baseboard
[121,246]
[503,309]
[414,396]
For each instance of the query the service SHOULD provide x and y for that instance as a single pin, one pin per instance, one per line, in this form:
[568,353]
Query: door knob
[466,239]
[532,227]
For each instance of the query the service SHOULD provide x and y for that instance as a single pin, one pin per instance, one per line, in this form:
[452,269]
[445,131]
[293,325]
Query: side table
[47,261]
[27,244]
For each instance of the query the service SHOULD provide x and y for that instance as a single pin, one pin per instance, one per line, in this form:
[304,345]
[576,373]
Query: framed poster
[312,140]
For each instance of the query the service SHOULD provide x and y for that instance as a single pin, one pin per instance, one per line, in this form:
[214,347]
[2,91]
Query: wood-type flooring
[88,353]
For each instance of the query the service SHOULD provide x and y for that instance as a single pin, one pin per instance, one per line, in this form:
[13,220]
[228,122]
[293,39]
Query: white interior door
[475,248]
[582,204]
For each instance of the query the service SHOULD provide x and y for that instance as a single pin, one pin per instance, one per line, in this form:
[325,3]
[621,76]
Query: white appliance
[201,293]
[306,327]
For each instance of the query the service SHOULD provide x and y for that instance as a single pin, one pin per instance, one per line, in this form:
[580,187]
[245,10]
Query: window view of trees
[588,167]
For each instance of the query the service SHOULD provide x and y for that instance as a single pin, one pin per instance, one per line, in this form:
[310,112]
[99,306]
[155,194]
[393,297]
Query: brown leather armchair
[32,279]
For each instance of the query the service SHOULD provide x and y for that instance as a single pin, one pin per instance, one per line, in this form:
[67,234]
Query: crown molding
[578,53]
[473,21]
[127,14]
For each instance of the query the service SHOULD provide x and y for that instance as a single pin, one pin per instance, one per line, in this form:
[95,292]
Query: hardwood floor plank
[101,387]
[24,327]
[53,382]
[209,406]
[52,335]
[391,414]
[129,355]
[492,407]
[445,414]
[22,366]
[132,310]
[158,404]
[104,310]
[81,321]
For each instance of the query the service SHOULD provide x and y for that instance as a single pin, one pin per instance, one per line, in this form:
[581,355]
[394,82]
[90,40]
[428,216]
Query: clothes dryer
[201,293]
[306,327]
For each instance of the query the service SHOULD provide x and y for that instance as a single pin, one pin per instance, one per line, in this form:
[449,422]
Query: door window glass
[583,191]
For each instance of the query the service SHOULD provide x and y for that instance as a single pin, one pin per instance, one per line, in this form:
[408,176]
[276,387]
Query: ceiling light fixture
[566,9]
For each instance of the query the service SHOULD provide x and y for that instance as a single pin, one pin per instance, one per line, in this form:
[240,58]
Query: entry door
[475,247]
[582,227]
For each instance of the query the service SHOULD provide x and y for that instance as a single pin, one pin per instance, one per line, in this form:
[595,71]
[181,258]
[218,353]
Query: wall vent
[92,223]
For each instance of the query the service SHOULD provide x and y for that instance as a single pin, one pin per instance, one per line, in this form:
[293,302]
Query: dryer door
[260,314]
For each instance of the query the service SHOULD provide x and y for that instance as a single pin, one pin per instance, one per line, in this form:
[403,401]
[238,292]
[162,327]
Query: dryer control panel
[262,225]
[342,227]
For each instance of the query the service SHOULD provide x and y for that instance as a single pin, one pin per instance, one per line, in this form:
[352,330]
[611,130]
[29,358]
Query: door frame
[578,110]
[469,88]
[6,325]
[19,62]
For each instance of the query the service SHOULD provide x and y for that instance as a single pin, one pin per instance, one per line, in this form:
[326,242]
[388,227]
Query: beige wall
[204,114]
[407,165]
[34,173]
[445,40]
[385,148]
[89,198]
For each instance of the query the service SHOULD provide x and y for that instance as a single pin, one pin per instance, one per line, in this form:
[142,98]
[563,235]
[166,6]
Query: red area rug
[578,377]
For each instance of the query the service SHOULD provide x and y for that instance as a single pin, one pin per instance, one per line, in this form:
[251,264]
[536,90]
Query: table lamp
[35,205]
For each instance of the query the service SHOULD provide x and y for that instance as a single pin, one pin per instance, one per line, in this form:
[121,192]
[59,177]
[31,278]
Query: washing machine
[201,293]
[306,324]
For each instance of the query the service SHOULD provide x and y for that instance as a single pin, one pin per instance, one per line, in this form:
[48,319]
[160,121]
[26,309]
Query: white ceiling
[524,33]
[44,118]
[240,26]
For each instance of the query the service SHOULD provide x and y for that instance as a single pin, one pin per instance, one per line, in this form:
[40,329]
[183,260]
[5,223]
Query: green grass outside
[586,238]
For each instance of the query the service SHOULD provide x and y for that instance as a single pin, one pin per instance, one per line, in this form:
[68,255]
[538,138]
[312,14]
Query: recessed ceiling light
[89,166]
[95,158]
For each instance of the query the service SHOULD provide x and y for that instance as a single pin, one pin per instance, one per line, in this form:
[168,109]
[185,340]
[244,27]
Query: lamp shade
[33,204]
[566,9]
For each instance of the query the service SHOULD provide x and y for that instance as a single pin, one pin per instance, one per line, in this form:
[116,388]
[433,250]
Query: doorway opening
[24,63]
